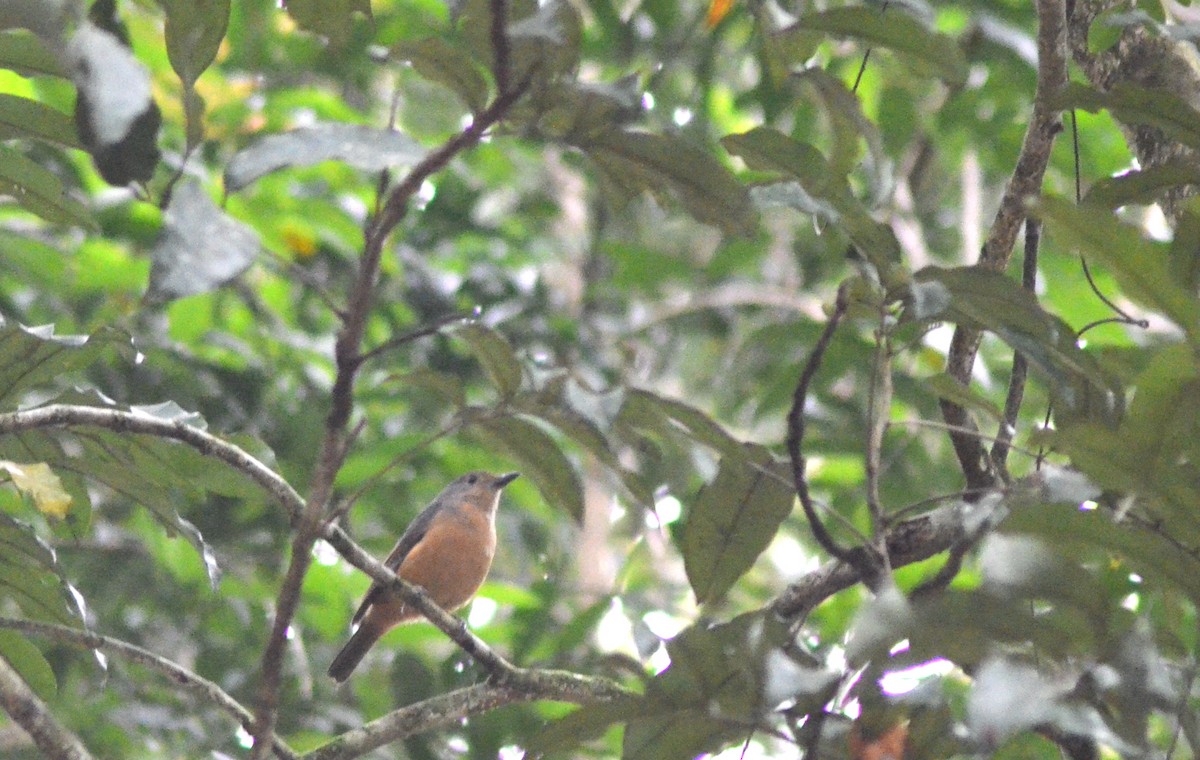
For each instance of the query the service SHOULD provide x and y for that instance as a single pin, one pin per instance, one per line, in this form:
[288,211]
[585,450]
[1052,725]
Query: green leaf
[733,520]
[22,117]
[1134,104]
[437,60]
[988,300]
[194,30]
[35,358]
[1156,558]
[579,112]
[39,191]
[768,149]
[331,19]
[1141,266]
[24,53]
[1153,454]
[946,387]
[644,161]
[1103,34]
[495,354]
[584,724]
[1142,186]
[1184,253]
[849,124]
[707,696]
[644,409]
[27,659]
[552,404]
[30,576]
[540,458]
[897,31]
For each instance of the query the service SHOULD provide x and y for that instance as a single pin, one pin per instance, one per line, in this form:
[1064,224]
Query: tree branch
[795,442]
[121,421]
[910,541]
[202,687]
[31,714]
[448,709]
[347,359]
[1025,183]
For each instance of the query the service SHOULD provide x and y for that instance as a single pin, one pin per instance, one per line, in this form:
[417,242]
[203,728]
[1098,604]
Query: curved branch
[31,714]
[1025,183]
[448,709]
[910,541]
[795,442]
[202,687]
[121,421]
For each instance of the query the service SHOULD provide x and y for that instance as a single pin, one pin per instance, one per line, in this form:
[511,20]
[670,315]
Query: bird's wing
[412,536]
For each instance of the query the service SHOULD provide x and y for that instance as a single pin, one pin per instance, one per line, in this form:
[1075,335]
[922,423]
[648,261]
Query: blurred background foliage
[630,347]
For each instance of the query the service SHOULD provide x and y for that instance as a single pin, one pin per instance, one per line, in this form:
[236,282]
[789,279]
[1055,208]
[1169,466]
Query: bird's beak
[505,479]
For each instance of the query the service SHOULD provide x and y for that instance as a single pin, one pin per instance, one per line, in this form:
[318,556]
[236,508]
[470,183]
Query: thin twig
[500,52]
[879,402]
[418,332]
[1020,368]
[197,685]
[795,437]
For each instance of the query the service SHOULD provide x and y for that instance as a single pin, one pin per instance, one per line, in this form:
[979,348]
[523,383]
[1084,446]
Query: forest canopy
[848,353]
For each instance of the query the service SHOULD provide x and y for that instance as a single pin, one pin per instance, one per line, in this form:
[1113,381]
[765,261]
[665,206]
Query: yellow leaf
[40,482]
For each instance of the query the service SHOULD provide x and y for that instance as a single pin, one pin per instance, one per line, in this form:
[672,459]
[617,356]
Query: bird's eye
[472,478]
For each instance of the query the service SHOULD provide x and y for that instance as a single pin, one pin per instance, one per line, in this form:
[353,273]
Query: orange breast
[453,559]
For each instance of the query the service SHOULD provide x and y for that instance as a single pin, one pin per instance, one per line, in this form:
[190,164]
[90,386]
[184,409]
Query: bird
[447,550]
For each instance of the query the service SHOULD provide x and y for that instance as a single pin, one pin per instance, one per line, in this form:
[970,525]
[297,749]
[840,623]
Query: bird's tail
[356,648]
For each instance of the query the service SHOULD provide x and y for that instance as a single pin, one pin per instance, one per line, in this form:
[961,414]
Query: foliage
[612,285]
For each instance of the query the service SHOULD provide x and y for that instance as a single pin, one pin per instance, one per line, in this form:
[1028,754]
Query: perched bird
[447,551]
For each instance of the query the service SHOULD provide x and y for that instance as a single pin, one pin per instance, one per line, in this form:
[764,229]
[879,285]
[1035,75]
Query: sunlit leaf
[42,485]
